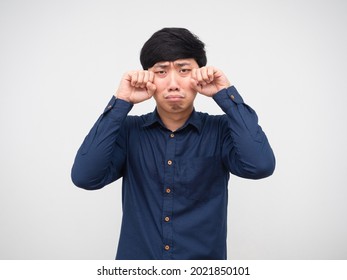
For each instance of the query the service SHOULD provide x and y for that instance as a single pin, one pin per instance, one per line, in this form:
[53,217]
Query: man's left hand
[209,80]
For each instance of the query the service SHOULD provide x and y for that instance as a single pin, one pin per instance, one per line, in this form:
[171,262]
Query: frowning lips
[174,96]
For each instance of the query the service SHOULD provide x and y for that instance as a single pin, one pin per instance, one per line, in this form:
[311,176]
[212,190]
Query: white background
[60,63]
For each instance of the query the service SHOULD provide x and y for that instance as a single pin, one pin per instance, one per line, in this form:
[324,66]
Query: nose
[173,84]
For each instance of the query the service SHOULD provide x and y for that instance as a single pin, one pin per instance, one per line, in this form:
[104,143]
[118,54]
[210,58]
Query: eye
[160,72]
[185,71]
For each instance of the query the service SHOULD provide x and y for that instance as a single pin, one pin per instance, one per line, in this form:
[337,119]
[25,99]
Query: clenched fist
[208,80]
[136,86]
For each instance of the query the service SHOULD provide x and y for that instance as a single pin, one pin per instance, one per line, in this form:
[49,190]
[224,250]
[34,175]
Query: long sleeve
[245,148]
[100,159]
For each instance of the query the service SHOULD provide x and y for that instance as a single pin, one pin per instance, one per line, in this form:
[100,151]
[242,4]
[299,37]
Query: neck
[174,121]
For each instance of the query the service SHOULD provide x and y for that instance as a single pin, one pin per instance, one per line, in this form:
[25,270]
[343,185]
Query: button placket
[167,212]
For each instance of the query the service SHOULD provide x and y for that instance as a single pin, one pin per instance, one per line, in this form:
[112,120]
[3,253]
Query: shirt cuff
[118,105]
[228,97]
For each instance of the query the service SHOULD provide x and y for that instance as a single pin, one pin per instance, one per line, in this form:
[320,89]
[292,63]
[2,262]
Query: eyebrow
[165,65]
[161,65]
[181,64]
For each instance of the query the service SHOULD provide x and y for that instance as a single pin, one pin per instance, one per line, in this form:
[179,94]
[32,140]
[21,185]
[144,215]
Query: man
[175,162]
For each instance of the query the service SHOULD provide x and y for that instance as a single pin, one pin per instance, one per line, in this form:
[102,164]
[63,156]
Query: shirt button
[109,106]
[232,97]
[169,162]
[172,135]
[168,190]
[167,219]
[167,247]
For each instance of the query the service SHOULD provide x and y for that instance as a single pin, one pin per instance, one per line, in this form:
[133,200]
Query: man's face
[172,79]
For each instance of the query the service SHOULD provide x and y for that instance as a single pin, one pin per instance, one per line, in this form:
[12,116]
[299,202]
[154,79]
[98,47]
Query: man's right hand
[136,86]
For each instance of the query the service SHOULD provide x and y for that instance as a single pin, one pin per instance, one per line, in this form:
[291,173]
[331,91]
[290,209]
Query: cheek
[159,85]
[184,84]
[187,86]
[192,95]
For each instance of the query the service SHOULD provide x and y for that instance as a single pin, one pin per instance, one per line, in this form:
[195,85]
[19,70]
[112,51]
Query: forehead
[176,63]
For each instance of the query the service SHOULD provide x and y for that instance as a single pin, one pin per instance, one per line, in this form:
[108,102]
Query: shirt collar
[194,120]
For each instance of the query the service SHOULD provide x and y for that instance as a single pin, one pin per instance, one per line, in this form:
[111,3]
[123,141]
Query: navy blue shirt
[175,184]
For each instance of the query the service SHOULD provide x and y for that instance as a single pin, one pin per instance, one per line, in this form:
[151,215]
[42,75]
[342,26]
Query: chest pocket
[201,178]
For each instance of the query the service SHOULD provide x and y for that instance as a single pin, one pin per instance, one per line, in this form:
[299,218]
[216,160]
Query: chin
[176,107]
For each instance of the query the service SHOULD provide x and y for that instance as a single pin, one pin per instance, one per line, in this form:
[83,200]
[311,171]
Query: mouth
[174,97]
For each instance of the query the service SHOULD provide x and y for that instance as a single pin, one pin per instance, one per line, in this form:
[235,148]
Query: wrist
[124,98]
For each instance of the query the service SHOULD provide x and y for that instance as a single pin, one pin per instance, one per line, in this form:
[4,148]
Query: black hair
[169,44]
